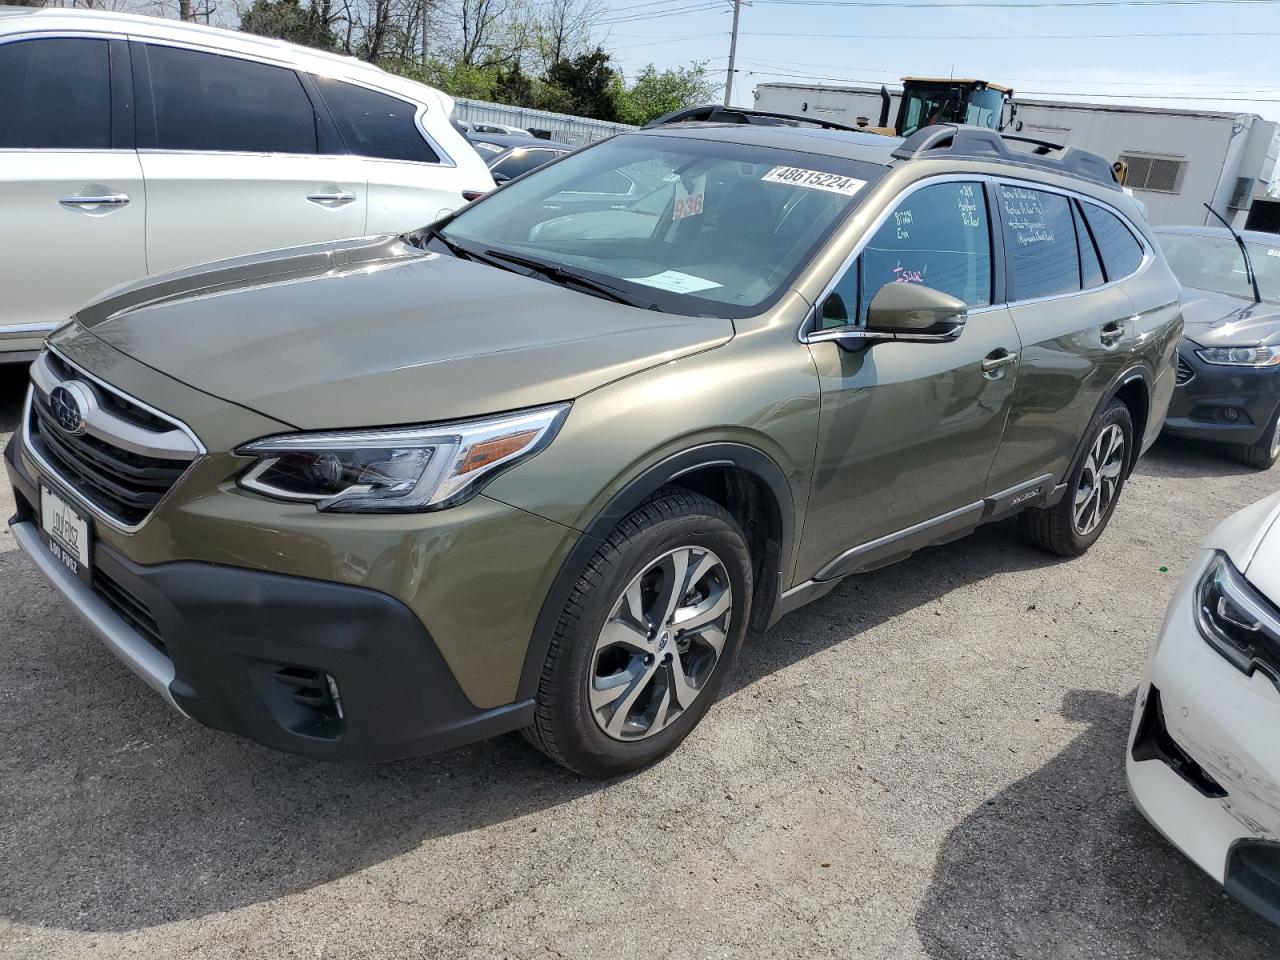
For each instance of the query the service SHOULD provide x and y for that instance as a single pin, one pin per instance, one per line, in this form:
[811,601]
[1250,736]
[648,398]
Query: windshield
[1215,263]
[692,226]
[985,108]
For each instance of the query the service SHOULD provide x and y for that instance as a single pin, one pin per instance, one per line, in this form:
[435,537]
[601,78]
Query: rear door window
[374,124]
[939,236]
[1040,243]
[55,94]
[1121,252]
[212,103]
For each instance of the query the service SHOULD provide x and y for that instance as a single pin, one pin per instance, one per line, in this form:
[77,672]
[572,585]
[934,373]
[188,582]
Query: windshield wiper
[563,275]
[1244,252]
[458,250]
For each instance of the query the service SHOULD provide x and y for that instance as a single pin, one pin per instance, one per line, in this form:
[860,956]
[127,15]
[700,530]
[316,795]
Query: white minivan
[133,145]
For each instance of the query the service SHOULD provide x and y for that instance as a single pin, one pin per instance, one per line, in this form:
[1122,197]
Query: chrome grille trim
[109,448]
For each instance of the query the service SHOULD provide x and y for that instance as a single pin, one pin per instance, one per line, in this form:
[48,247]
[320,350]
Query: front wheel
[1069,527]
[648,635]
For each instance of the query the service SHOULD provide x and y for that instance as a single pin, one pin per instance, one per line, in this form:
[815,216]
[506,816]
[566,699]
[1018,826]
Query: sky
[1202,54]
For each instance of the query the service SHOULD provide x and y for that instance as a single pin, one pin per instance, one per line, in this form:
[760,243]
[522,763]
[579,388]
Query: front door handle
[336,199]
[106,200]
[996,361]
[1110,333]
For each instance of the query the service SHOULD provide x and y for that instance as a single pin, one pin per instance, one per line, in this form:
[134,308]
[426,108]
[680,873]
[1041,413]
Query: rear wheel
[649,633]
[1262,454]
[1070,526]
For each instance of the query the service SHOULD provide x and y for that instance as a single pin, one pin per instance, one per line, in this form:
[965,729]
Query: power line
[1007,37]
[656,15]
[1013,5]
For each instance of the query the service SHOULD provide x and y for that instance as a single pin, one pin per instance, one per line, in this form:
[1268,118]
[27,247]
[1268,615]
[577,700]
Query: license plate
[66,533]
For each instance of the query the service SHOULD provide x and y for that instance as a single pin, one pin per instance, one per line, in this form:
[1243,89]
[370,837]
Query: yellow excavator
[929,100]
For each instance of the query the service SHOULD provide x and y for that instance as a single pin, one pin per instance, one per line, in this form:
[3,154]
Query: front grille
[132,610]
[1184,373]
[123,484]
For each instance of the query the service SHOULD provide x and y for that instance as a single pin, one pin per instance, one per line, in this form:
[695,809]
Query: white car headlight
[1240,356]
[1237,620]
[397,469]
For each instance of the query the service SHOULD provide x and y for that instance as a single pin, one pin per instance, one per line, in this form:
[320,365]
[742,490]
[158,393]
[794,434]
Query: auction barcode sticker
[815,180]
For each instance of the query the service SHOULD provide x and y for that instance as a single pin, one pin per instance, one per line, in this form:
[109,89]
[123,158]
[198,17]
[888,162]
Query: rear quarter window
[1121,252]
[376,124]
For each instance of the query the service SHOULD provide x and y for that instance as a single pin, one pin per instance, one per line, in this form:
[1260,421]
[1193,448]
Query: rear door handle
[1110,333]
[996,361]
[106,199]
[337,199]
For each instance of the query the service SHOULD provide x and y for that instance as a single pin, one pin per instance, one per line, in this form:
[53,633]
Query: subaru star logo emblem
[66,410]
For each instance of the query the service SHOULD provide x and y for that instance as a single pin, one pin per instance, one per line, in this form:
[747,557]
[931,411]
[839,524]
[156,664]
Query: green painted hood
[376,332]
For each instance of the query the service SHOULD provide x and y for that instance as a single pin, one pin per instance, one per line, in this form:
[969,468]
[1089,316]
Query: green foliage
[583,86]
[289,20]
[654,93]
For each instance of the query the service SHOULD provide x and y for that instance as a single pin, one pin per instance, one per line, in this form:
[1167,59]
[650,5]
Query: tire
[1058,529]
[604,708]
[1262,454]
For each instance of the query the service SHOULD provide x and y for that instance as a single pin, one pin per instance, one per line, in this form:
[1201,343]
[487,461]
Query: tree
[289,20]
[561,29]
[657,92]
[585,86]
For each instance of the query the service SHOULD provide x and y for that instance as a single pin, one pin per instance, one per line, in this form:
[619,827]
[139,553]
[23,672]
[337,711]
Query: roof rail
[713,113]
[982,143]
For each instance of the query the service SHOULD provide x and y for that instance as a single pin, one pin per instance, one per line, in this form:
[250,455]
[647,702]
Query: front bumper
[1204,768]
[357,638]
[1199,406]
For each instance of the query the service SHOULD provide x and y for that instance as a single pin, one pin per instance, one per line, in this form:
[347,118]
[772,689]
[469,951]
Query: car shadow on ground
[1182,458]
[144,801]
[1042,868]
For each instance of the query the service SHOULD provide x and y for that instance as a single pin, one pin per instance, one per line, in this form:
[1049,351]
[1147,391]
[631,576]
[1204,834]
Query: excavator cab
[930,100]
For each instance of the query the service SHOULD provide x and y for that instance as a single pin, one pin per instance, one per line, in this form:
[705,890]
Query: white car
[133,145]
[1204,749]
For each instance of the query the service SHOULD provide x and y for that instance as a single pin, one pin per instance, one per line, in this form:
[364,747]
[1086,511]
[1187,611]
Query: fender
[1136,371]
[746,458]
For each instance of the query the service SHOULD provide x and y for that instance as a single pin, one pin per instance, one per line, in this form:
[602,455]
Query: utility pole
[426,26]
[733,52]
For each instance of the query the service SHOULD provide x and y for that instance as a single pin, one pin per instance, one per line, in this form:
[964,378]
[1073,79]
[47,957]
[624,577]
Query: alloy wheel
[660,644]
[1275,439]
[1099,479]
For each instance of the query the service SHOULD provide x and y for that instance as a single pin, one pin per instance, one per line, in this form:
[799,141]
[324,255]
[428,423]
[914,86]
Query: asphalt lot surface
[928,763]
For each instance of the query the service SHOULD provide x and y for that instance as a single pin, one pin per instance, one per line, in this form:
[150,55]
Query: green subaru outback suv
[541,465]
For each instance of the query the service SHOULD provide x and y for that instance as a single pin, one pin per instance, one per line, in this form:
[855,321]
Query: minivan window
[208,102]
[1121,253]
[374,124]
[55,94]
[1091,274]
[1039,242]
[939,236]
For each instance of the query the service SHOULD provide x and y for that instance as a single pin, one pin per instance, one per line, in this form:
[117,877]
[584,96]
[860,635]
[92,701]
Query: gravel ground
[928,763]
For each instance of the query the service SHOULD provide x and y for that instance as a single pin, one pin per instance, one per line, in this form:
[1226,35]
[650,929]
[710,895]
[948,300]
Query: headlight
[1237,620]
[1240,356]
[397,470]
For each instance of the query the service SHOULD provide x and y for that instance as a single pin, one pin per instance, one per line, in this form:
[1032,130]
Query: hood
[376,332]
[1220,320]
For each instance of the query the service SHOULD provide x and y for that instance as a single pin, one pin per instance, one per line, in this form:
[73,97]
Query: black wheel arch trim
[669,470]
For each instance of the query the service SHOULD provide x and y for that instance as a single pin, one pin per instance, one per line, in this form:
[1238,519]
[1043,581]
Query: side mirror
[499,177]
[912,311]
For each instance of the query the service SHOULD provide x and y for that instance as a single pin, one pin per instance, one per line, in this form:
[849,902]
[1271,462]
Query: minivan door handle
[1110,333]
[336,199]
[995,362]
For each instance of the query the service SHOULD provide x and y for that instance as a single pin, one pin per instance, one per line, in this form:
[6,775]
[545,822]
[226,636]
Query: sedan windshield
[1216,264]
[689,225]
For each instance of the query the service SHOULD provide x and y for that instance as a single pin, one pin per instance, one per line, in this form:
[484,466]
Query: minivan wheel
[1262,454]
[1069,527]
[649,633]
